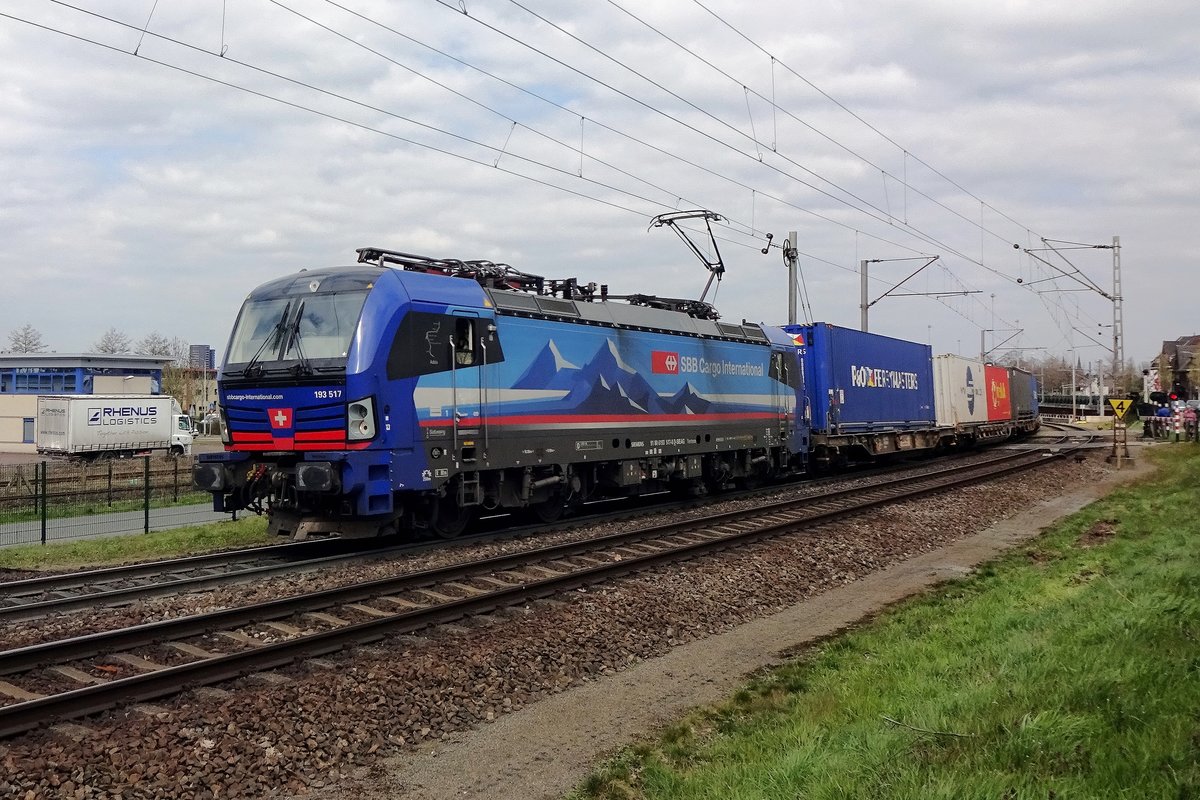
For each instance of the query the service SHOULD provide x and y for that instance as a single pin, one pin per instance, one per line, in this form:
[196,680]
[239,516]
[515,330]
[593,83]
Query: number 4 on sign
[1119,407]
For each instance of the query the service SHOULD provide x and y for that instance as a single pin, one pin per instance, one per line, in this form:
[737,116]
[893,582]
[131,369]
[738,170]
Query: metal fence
[54,500]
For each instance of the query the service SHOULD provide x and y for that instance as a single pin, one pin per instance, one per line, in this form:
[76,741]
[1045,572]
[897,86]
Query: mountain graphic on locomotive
[407,394]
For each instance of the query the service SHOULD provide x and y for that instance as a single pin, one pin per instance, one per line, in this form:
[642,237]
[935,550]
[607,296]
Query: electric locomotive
[409,394]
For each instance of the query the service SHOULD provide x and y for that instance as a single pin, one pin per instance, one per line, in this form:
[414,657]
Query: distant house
[24,376]
[1178,366]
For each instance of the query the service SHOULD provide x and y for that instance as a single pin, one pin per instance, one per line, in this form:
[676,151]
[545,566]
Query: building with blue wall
[24,376]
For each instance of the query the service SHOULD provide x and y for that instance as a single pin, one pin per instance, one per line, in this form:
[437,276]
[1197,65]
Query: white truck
[93,426]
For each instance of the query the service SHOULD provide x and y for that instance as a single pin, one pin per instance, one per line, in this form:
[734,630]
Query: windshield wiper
[303,367]
[276,334]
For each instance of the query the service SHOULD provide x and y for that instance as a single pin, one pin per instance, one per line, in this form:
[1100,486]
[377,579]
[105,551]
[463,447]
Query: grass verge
[1069,668]
[82,553]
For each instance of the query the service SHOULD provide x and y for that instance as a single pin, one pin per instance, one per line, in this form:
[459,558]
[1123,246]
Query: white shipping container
[91,425]
[961,391]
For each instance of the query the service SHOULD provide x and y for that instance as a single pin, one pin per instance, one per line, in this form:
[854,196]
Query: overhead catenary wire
[500,151]
[663,151]
[359,103]
[368,128]
[623,134]
[420,74]
[753,138]
[442,150]
[885,218]
[878,214]
[905,151]
[669,153]
[888,216]
[329,116]
[776,107]
[442,85]
[908,153]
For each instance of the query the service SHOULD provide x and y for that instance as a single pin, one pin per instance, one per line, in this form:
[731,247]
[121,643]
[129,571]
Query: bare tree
[154,344]
[113,341]
[180,355]
[26,339]
[180,379]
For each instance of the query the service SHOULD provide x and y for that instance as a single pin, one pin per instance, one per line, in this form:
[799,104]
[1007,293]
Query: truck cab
[183,434]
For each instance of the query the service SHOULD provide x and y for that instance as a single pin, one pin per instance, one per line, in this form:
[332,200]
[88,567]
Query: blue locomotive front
[366,400]
[316,396]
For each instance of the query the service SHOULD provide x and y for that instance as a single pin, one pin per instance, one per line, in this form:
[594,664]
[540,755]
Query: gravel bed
[7,574]
[68,624]
[308,726]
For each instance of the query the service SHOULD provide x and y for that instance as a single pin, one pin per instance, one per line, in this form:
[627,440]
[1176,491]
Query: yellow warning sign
[1120,406]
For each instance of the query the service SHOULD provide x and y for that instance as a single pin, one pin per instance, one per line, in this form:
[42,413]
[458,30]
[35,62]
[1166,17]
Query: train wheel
[450,519]
[688,489]
[715,485]
[546,511]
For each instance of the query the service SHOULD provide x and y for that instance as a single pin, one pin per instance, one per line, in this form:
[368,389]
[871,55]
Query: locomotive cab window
[464,342]
[427,343]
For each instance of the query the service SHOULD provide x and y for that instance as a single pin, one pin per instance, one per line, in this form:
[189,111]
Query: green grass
[1067,669]
[81,553]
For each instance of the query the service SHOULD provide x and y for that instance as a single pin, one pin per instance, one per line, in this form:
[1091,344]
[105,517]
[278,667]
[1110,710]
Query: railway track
[32,598]
[36,597]
[210,648]
[1069,427]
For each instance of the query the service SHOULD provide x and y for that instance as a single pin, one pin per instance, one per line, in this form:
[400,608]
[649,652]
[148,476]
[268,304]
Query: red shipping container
[999,394]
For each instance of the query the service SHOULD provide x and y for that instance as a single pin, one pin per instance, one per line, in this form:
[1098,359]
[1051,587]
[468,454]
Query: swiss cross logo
[664,362]
[280,417]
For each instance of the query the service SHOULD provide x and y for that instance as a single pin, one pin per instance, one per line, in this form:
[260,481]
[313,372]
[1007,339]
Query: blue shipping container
[857,382]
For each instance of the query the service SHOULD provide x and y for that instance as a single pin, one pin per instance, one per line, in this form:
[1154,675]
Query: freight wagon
[969,400]
[866,395]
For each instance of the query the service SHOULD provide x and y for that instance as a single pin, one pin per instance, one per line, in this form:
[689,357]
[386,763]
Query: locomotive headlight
[360,420]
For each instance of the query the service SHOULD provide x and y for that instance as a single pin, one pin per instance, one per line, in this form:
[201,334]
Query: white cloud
[149,199]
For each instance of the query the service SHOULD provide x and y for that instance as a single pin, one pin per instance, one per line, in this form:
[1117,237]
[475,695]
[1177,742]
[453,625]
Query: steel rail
[86,646]
[22,605]
[51,583]
[24,716]
[85,589]
[351,550]
[129,594]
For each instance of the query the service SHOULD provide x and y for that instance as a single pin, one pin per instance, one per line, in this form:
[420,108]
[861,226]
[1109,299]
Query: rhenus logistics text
[123,415]
[871,378]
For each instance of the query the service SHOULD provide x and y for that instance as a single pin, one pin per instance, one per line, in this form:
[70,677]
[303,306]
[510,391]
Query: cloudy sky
[159,162]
